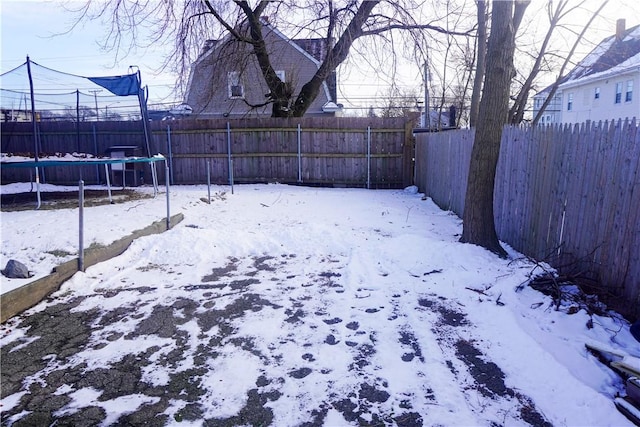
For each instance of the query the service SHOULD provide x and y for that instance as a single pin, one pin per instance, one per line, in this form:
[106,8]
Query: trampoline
[34,93]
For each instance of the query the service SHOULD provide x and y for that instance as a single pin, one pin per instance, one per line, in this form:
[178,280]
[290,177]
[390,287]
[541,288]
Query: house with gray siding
[603,86]
[226,81]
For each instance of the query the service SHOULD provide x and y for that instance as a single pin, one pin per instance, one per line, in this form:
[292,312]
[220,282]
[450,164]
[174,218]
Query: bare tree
[567,60]
[187,23]
[481,51]
[463,61]
[450,44]
[478,220]
[399,103]
[556,14]
[80,113]
[450,62]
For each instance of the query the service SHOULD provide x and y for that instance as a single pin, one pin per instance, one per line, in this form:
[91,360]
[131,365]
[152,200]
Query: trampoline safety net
[35,93]
[68,97]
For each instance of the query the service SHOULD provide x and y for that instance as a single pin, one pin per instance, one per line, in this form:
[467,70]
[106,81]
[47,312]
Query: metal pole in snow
[299,155]
[166,174]
[106,174]
[81,225]
[231,176]
[169,151]
[154,177]
[38,188]
[427,112]
[209,181]
[368,156]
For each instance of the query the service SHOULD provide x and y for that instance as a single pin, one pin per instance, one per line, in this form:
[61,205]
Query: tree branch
[555,85]
[231,29]
[390,27]
[334,57]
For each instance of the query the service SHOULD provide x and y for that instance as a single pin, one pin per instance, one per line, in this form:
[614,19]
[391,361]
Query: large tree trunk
[481,51]
[280,92]
[478,218]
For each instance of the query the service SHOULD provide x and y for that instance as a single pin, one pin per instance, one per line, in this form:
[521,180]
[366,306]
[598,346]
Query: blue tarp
[119,85]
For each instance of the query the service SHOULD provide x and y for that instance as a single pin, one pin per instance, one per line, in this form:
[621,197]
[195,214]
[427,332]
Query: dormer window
[235,86]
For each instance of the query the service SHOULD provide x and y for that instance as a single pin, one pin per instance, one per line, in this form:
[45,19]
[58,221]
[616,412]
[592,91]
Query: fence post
[81,225]
[408,154]
[368,157]
[166,180]
[169,152]
[229,156]
[299,154]
[231,176]
[208,182]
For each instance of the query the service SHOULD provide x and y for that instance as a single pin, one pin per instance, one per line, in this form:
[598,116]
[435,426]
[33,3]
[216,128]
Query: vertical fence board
[569,195]
[332,150]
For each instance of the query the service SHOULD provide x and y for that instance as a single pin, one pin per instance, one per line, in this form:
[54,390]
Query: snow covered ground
[337,306]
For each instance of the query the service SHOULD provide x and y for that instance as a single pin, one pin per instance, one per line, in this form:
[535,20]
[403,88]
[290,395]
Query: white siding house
[605,85]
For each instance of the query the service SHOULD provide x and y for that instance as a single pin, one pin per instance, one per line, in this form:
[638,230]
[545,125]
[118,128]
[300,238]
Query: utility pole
[95,96]
[427,112]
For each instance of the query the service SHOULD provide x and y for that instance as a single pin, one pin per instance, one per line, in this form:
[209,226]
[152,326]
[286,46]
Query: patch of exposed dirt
[488,377]
[66,199]
[43,363]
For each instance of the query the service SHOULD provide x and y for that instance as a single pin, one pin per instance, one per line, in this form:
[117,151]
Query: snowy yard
[285,306]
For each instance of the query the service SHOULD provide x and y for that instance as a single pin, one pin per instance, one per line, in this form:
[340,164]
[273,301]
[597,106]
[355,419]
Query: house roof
[613,55]
[315,49]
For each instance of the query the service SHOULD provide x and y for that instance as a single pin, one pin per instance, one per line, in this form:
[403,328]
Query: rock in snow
[16,270]
[412,189]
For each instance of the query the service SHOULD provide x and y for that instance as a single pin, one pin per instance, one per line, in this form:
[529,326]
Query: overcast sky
[37,28]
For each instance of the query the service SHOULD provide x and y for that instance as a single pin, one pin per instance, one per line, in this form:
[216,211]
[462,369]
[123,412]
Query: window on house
[569,101]
[597,93]
[618,93]
[281,75]
[236,88]
[629,95]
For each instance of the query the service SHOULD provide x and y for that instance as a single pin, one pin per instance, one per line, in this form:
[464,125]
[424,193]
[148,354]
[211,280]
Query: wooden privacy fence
[566,194]
[360,152]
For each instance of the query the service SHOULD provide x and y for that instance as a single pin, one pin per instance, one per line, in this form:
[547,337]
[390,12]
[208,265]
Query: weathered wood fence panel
[569,195]
[363,152]
[442,166]
[66,137]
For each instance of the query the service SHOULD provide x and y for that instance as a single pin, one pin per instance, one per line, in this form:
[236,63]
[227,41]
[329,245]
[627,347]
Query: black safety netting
[60,96]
